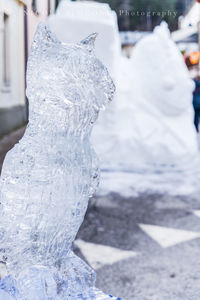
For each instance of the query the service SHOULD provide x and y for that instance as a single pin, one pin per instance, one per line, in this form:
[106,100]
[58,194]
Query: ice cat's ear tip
[89,42]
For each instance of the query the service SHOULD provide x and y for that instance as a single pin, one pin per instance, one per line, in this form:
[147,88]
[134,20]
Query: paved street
[158,237]
[8,141]
[144,247]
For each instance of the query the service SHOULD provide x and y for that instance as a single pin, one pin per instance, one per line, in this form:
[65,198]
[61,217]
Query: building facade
[12,65]
[18,22]
[37,11]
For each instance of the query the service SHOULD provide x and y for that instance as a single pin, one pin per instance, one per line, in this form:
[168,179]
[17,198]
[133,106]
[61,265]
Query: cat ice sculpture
[49,175]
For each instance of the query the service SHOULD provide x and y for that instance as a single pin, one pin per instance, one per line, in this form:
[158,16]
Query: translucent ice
[49,175]
[81,16]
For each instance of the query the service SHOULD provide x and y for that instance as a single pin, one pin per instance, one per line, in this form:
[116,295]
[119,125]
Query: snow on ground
[129,184]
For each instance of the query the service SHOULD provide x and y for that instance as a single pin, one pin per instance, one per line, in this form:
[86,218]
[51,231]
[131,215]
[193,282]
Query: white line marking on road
[196,213]
[167,237]
[100,255]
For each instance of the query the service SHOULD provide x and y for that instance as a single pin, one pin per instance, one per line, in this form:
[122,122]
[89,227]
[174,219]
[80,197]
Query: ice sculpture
[81,16]
[49,175]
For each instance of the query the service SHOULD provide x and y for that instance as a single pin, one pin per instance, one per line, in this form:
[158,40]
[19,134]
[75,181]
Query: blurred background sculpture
[155,119]
[49,175]
[154,131]
[149,127]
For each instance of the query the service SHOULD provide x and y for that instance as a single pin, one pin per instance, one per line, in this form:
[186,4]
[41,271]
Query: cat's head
[68,70]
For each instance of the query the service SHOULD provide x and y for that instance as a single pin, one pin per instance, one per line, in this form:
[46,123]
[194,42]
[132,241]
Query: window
[57,2]
[6,51]
[34,7]
[49,7]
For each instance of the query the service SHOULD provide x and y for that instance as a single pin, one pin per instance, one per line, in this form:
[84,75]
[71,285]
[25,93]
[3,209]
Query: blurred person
[196,102]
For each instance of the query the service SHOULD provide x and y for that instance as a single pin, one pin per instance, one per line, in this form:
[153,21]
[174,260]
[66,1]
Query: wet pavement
[144,247]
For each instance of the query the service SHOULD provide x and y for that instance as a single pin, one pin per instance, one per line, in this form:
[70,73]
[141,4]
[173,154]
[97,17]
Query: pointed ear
[89,42]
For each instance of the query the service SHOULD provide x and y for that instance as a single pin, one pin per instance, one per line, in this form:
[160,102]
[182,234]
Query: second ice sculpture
[49,175]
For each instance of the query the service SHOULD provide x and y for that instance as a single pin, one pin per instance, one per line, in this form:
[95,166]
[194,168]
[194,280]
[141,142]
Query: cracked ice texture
[49,175]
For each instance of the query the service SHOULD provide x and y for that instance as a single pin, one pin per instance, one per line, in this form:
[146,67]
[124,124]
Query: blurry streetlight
[194,58]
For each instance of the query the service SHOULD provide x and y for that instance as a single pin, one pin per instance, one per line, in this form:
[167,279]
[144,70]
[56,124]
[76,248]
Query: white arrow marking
[99,255]
[167,237]
[196,213]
